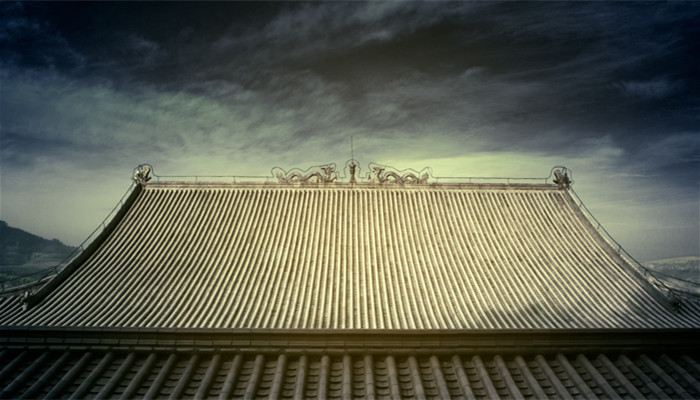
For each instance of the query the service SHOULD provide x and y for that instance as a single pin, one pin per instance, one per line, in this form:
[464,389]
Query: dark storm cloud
[238,86]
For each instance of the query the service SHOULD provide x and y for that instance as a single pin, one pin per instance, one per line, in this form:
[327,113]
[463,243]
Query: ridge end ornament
[317,174]
[561,177]
[142,174]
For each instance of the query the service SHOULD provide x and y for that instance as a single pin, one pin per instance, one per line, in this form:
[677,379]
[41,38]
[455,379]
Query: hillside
[678,272]
[23,253]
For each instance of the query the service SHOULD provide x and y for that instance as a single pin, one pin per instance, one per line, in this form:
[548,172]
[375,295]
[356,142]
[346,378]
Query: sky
[611,90]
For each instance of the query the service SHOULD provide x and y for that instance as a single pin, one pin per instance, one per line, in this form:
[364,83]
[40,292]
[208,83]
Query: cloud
[32,42]
[652,89]
[467,88]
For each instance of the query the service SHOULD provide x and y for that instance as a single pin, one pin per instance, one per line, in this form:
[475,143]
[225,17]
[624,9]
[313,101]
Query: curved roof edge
[62,275]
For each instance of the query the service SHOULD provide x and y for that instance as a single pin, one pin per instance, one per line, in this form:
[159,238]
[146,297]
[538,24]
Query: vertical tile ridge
[485,378]
[278,379]
[170,290]
[138,377]
[490,304]
[87,383]
[185,378]
[393,374]
[571,373]
[443,390]
[238,209]
[354,272]
[152,232]
[578,300]
[505,374]
[181,278]
[597,377]
[58,389]
[309,287]
[462,378]
[468,275]
[370,262]
[510,301]
[338,251]
[409,301]
[452,263]
[205,384]
[255,268]
[510,270]
[299,385]
[333,257]
[216,300]
[412,263]
[299,265]
[550,290]
[345,283]
[265,294]
[434,263]
[529,378]
[280,254]
[346,393]
[252,387]
[189,270]
[196,264]
[404,297]
[620,377]
[429,299]
[668,380]
[245,261]
[369,377]
[378,289]
[156,273]
[321,260]
[213,283]
[362,246]
[415,378]
[552,377]
[154,388]
[646,380]
[231,378]
[323,377]
[10,390]
[391,318]
[290,246]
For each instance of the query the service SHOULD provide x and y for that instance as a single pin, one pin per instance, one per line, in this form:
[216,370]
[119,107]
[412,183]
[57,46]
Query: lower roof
[129,374]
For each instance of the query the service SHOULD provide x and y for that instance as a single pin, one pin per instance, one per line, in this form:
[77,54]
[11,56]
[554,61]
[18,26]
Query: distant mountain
[22,253]
[680,272]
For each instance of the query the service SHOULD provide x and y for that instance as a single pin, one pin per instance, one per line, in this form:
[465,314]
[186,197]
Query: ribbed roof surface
[354,257]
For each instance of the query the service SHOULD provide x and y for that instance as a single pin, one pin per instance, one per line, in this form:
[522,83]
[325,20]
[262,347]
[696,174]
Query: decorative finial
[142,174]
[352,166]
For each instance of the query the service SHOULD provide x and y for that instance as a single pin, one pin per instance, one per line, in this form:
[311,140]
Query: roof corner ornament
[385,174]
[142,174]
[317,174]
[561,177]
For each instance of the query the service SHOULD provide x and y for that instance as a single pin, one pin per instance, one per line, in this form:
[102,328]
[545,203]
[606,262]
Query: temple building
[361,283]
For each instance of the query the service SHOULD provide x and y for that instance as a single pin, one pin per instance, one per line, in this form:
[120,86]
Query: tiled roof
[171,374]
[341,256]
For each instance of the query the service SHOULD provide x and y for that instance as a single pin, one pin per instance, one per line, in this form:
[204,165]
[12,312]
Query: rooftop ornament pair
[378,173]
